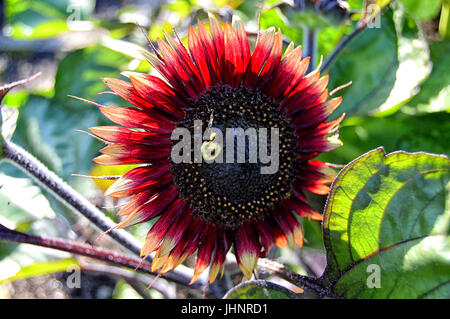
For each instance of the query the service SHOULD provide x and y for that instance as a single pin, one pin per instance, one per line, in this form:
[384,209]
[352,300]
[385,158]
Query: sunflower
[208,207]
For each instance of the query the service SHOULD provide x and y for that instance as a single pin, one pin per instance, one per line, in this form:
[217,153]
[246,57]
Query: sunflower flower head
[208,207]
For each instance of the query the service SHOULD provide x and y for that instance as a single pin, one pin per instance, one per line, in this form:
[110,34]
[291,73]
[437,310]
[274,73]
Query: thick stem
[68,196]
[92,252]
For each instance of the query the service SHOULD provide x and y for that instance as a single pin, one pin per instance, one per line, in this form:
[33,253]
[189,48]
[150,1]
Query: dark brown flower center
[230,193]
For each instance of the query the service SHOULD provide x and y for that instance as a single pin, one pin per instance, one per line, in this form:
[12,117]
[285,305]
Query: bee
[210,149]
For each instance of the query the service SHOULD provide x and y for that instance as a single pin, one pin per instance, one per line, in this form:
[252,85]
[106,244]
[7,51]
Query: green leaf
[41,268]
[434,94]
[370,61]
[310,17]
[388,216]
[8,121]
[21,202]
[424,132]
[260,289]
[329,38]
[356,4]
[80,74]
[422,10]
[414,62]
[25,208]
[8,115]
[272,18]
[48,131]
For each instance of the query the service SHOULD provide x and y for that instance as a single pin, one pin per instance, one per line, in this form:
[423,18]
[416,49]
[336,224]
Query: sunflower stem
[305,282]
[86,250]
[310,46]
[68,196]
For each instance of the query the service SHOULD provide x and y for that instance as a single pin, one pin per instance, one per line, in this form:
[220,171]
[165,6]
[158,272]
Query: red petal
[201,58]
[210,53]
[158,93]
[159,229]
[126,91]
[279,237]
[134,118]
[247,249]
[288,74]
[176,232]
[219,43]
[285,227]
[195,77]
[306,94]
[259,57]
[127,152]
[138,179]
[117,134]
[223,245]
[179,78]
[243,41]
[187,246]
[135,203]
[316,114]
[302,209]
[295,228]
[309,144]
[149,210]
[205,252]
[266,237]
[113,160]
[236,55]
[272,63]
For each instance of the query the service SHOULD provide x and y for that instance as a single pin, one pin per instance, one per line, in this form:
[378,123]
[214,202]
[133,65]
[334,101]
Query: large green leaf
[389,216]
[370,61]
[434,94]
